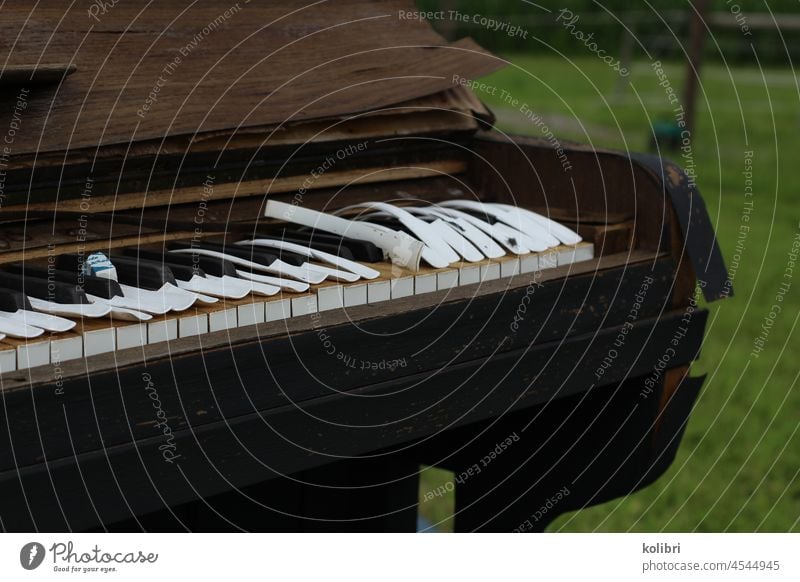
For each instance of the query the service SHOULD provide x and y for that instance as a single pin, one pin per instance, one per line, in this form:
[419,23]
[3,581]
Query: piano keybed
[94,336]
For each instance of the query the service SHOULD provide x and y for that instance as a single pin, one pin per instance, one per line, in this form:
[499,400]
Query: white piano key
[8,361]
[131,336]
[447,279]
[333,274]
[402,287]
[355,295]
[32,354]
[438,253]
[77,310]
[305,305]
[63,349]
[378,291]
[99,341]
[490,272]
[278,310]
[345,264]
[469,275]
[330,297]
[584,252]
[548,259]
[425,283]
[13,328]
[509,267]
[162,331]
[529,263]
[403,249]
[250,314]
[220,320]
[193,325]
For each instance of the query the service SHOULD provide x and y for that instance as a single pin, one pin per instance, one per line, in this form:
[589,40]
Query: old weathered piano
[226,303]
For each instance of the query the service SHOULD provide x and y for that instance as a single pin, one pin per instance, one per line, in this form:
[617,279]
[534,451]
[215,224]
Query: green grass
[737,469]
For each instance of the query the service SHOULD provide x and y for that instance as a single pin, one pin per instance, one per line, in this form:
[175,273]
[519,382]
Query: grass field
[737,469]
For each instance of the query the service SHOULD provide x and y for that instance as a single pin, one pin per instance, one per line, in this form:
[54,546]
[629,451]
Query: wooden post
[697,40]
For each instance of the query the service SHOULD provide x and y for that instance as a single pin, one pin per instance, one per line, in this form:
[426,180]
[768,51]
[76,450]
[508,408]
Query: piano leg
[579,451]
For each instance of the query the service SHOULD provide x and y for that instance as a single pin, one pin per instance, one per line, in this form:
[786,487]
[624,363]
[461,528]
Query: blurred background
[627,75]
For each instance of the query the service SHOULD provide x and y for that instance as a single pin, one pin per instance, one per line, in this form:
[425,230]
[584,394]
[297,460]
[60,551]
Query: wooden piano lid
[196,70]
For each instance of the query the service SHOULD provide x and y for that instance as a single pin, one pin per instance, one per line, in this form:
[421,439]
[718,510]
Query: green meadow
[737,468]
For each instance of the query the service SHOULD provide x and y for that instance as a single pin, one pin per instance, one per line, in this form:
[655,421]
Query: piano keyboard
[85,306]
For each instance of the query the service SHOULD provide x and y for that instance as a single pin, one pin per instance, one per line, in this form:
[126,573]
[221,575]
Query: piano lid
[186,68]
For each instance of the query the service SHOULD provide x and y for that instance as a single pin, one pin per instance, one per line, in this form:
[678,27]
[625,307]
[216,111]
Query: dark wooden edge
[41,74]
[700,240]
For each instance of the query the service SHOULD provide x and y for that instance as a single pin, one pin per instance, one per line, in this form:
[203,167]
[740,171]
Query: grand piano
[261,262]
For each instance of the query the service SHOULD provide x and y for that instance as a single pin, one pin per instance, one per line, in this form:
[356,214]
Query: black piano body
[570,381]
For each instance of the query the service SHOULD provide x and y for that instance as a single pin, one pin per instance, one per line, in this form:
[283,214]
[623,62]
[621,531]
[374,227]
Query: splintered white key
[8,361]
[548,259]
[99,341]
[490,272]
[250,314]
[162,331]
[220,320]
[529,263]
[304,305]
[331,297]
[509,267]
[277,310]
[425,283]
[32,354]
[469,275]
[131,336]
[447,279]
[68,348]
[402,287]
[193,325]
[378,291]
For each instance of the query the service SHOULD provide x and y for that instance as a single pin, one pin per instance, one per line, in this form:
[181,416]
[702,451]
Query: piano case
[568,382]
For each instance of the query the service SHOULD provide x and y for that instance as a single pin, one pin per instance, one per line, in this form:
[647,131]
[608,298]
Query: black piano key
[361,250]
[46,289]
[11,301]
[252,254]
[213,266]
[143,274]
[180,270]
[98,286]
[337,249]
